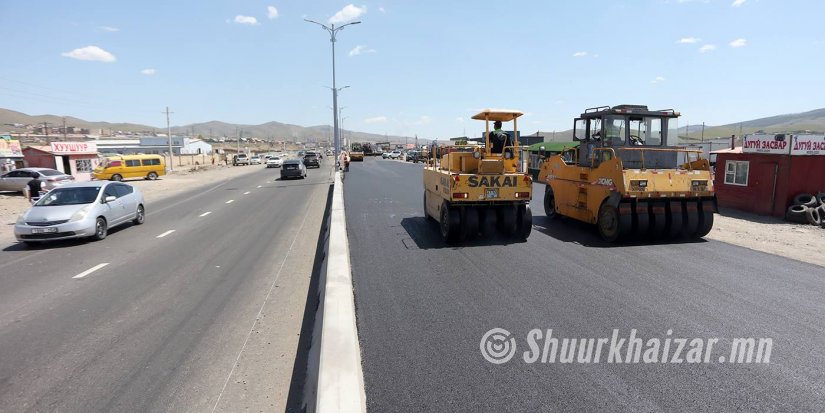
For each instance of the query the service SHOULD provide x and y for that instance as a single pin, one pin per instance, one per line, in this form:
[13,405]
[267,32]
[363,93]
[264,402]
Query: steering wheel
[636,140]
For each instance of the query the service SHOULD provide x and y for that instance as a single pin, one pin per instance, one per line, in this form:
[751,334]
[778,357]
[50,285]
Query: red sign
[74,148]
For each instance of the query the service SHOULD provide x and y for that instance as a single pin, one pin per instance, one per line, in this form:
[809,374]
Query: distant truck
[356,152]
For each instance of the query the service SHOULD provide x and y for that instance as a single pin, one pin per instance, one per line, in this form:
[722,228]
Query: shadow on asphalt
[577,232]
[297,386]
[48,245]
[426,235]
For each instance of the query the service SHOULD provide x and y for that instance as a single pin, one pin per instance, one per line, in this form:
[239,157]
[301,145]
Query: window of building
[83,165]
[736,172]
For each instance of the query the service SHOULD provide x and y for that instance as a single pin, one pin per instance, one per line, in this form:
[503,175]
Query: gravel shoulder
[13,204]
[769,234]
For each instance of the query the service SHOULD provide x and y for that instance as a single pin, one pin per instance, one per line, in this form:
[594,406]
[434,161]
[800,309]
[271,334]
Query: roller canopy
[504,115]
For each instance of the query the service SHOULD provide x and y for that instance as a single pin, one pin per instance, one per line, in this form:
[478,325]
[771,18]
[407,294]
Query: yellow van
[116,168]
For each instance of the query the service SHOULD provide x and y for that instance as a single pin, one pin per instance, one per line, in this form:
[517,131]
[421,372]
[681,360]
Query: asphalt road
[204,318]
[423,308]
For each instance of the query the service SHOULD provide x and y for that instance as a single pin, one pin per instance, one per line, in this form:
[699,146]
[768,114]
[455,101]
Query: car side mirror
[110,198]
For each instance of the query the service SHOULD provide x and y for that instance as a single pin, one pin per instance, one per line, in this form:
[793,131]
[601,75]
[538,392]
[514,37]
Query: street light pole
[332,32]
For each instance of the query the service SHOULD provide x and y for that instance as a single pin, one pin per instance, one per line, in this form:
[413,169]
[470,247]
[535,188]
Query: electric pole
[169,138]
[64,129]
[703,132]
[46,128]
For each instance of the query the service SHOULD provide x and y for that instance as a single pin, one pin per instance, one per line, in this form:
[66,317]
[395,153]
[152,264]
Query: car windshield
[50,172]
[69,196]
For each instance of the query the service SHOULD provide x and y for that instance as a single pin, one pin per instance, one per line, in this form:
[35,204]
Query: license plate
[43,230]
[492,193]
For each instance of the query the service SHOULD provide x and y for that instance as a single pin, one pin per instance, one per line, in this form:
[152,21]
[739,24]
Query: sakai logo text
[492,181]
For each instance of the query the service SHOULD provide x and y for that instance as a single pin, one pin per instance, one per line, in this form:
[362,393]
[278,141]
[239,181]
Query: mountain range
[813,120]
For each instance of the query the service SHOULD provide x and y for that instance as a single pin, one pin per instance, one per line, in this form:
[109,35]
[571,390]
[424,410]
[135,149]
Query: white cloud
[271,12]
[246,20]
[382,10]
[347,14]
[109,29]
[737,3]
[579,54]
[148,72]
[738,43]
[90,53]
[377,119]
[423,120]
[658,79]
[689,40]
[707,48]
[360,49]
[459,120]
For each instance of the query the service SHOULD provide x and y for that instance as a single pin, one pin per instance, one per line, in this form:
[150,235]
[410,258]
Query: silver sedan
[80,210]
[17,179]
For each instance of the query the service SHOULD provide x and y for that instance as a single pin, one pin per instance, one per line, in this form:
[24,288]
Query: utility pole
[169,138]
[703,132]
[46,128]
[65,138]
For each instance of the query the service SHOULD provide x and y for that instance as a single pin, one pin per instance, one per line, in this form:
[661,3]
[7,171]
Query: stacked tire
[807,209]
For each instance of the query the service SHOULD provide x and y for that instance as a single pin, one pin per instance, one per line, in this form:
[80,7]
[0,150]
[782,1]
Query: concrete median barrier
[335,380]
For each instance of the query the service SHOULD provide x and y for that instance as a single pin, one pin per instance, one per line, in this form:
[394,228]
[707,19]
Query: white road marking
[259,186]
[230,201]
[246,193]
[205,213]
[165,233]
[91,270]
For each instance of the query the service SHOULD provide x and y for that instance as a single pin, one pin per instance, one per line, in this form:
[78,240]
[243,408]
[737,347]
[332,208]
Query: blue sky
[414,67]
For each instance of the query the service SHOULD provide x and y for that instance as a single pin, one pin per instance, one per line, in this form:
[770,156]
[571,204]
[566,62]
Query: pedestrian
[34,188]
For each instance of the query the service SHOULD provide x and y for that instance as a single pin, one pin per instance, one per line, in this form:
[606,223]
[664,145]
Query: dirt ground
[13,204]
[772,235]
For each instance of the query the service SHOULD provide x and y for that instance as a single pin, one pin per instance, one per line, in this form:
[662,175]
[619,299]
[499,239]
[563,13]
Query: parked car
[116,168]
[240,159]
[411,156]
[79,210]
[255,160]
[311,159]
[395,154]
[274,162]
[385,155]
[293,168]
[17,179]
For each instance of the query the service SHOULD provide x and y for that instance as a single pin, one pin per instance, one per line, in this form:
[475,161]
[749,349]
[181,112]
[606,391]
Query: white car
[274,162]
[395,154]
[80,210]
[255,160]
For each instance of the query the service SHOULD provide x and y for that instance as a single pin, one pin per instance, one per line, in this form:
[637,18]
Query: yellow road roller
[626,179]
[480,189]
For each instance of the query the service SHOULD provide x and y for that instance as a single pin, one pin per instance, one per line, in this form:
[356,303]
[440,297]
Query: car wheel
[140,215]
[152,176]
[101,229]
[117,177]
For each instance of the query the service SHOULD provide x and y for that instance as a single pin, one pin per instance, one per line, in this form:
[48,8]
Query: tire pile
[807,209]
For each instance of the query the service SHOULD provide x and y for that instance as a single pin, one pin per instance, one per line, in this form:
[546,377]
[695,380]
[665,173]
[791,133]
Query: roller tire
[469,223]
[807,200]
[642,216]
[426,215]
[609,223]
[691,215]
[507,220]
[705,219]
[524,222]
[489,221]
[550,204]
[449,224]
[813,216]
[797,214]
[675,219]
[658,223]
